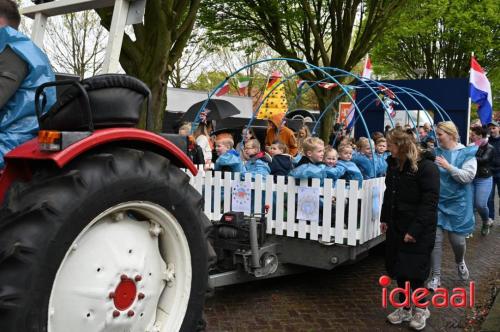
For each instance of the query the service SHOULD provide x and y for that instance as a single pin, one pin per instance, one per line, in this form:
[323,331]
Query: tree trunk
[325,97]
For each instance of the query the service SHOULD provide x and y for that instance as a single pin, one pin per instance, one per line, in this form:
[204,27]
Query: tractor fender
[17,160]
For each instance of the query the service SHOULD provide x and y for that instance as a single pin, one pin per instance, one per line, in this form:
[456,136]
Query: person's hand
[442,162]
[408,238]
[383,227]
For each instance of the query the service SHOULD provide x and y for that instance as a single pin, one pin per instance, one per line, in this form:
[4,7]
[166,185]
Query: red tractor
[100,229]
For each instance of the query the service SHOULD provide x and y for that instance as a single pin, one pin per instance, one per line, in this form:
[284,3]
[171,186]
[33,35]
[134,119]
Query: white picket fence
[361,224]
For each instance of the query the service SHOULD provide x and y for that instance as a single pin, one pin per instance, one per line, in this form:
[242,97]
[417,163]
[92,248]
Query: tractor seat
[115,101]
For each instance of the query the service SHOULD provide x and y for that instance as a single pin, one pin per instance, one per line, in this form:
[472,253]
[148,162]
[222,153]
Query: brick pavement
[347,298]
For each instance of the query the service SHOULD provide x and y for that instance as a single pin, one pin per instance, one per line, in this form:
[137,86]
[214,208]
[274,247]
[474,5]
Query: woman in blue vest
[23,67]
[457,168]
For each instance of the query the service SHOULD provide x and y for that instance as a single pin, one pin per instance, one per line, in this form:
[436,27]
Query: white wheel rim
[93,291]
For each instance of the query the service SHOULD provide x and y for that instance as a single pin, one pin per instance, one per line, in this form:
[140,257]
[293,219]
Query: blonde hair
[329,149]
[363,142]
[449,128]
[254,143]
[407,146]
[281,146]
[227,141]
[185,126]
[300,140]
[343,147]
[311,143]
[380,140]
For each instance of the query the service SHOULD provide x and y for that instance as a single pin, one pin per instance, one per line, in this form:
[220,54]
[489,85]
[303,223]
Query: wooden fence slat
[339,211]
[257,203]
[313,233]
[290,208]
[269,201]
[208,196]
[217,194]
[364,215]
[227,193]
[353,213]
[327,210]
[280,203]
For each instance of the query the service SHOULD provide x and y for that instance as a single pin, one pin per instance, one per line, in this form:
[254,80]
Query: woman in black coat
[409,218]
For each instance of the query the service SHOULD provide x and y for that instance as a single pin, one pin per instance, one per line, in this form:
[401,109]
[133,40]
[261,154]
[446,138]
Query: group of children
[315,160]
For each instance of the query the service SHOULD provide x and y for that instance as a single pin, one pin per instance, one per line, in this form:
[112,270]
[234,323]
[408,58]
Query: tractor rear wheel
[115,241]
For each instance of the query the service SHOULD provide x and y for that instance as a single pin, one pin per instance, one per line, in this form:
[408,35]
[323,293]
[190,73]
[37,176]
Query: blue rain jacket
[365,165]
[256,166]
[229,162]
[18,122]
[380,165]
[352,171]
[317,171]
[455,212]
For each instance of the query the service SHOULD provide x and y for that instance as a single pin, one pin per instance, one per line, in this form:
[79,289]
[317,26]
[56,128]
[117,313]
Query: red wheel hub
[125,294]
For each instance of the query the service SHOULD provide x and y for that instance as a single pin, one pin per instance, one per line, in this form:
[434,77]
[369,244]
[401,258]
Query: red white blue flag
[480,92]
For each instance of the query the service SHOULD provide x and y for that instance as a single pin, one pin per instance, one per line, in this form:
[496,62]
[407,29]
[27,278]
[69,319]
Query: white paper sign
[241,199]
[308,203]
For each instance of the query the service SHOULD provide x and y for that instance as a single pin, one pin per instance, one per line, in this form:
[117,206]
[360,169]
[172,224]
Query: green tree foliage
[158,45]
[439,36]
[335,33]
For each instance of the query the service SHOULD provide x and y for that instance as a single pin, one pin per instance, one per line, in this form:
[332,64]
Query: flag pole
[469,106]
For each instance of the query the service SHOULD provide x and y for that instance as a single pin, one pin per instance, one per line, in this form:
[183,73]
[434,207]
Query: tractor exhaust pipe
[254,245]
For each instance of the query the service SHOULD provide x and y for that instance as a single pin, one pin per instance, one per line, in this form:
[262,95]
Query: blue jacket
[380,165]
[229,162]
[365,165]
[18,122]
[256,166]
[308,170]
[352,171]
[455,212]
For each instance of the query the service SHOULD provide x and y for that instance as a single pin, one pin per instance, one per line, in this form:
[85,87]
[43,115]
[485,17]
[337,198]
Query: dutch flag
[480,92]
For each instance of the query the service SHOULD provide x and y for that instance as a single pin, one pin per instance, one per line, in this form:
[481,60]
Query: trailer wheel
[115,241]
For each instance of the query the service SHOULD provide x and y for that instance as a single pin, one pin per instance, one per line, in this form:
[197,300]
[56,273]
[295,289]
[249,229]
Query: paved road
[347,298]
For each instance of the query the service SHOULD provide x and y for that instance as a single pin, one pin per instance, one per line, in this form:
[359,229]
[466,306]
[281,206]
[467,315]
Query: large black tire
[40,220]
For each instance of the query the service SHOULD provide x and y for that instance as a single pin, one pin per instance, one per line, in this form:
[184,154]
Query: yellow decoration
[276,102]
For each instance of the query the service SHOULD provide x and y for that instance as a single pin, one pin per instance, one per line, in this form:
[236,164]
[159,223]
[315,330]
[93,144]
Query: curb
[492,321]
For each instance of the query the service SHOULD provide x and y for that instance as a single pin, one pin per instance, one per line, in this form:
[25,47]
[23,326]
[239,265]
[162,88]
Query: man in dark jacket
[494,141]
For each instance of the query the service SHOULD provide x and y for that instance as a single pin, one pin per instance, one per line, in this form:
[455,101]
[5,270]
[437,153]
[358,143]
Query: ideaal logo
[440,299]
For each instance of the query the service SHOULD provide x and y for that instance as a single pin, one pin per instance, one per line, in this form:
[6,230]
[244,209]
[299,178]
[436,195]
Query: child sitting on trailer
[363,158]
[256,163]
[331,156]
[352,171]
[282,162]
[311,164]
[228,159]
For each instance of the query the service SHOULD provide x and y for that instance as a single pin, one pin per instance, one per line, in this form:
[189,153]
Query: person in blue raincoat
[363,158]
[23,67]
[311,165]
[457,168]
[352,171]
[228,159]
[256,164]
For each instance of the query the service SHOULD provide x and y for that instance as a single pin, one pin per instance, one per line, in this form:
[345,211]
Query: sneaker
[417,322]
[463,271]
[490,222]
[485,229]
[434,283]
[399,315]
